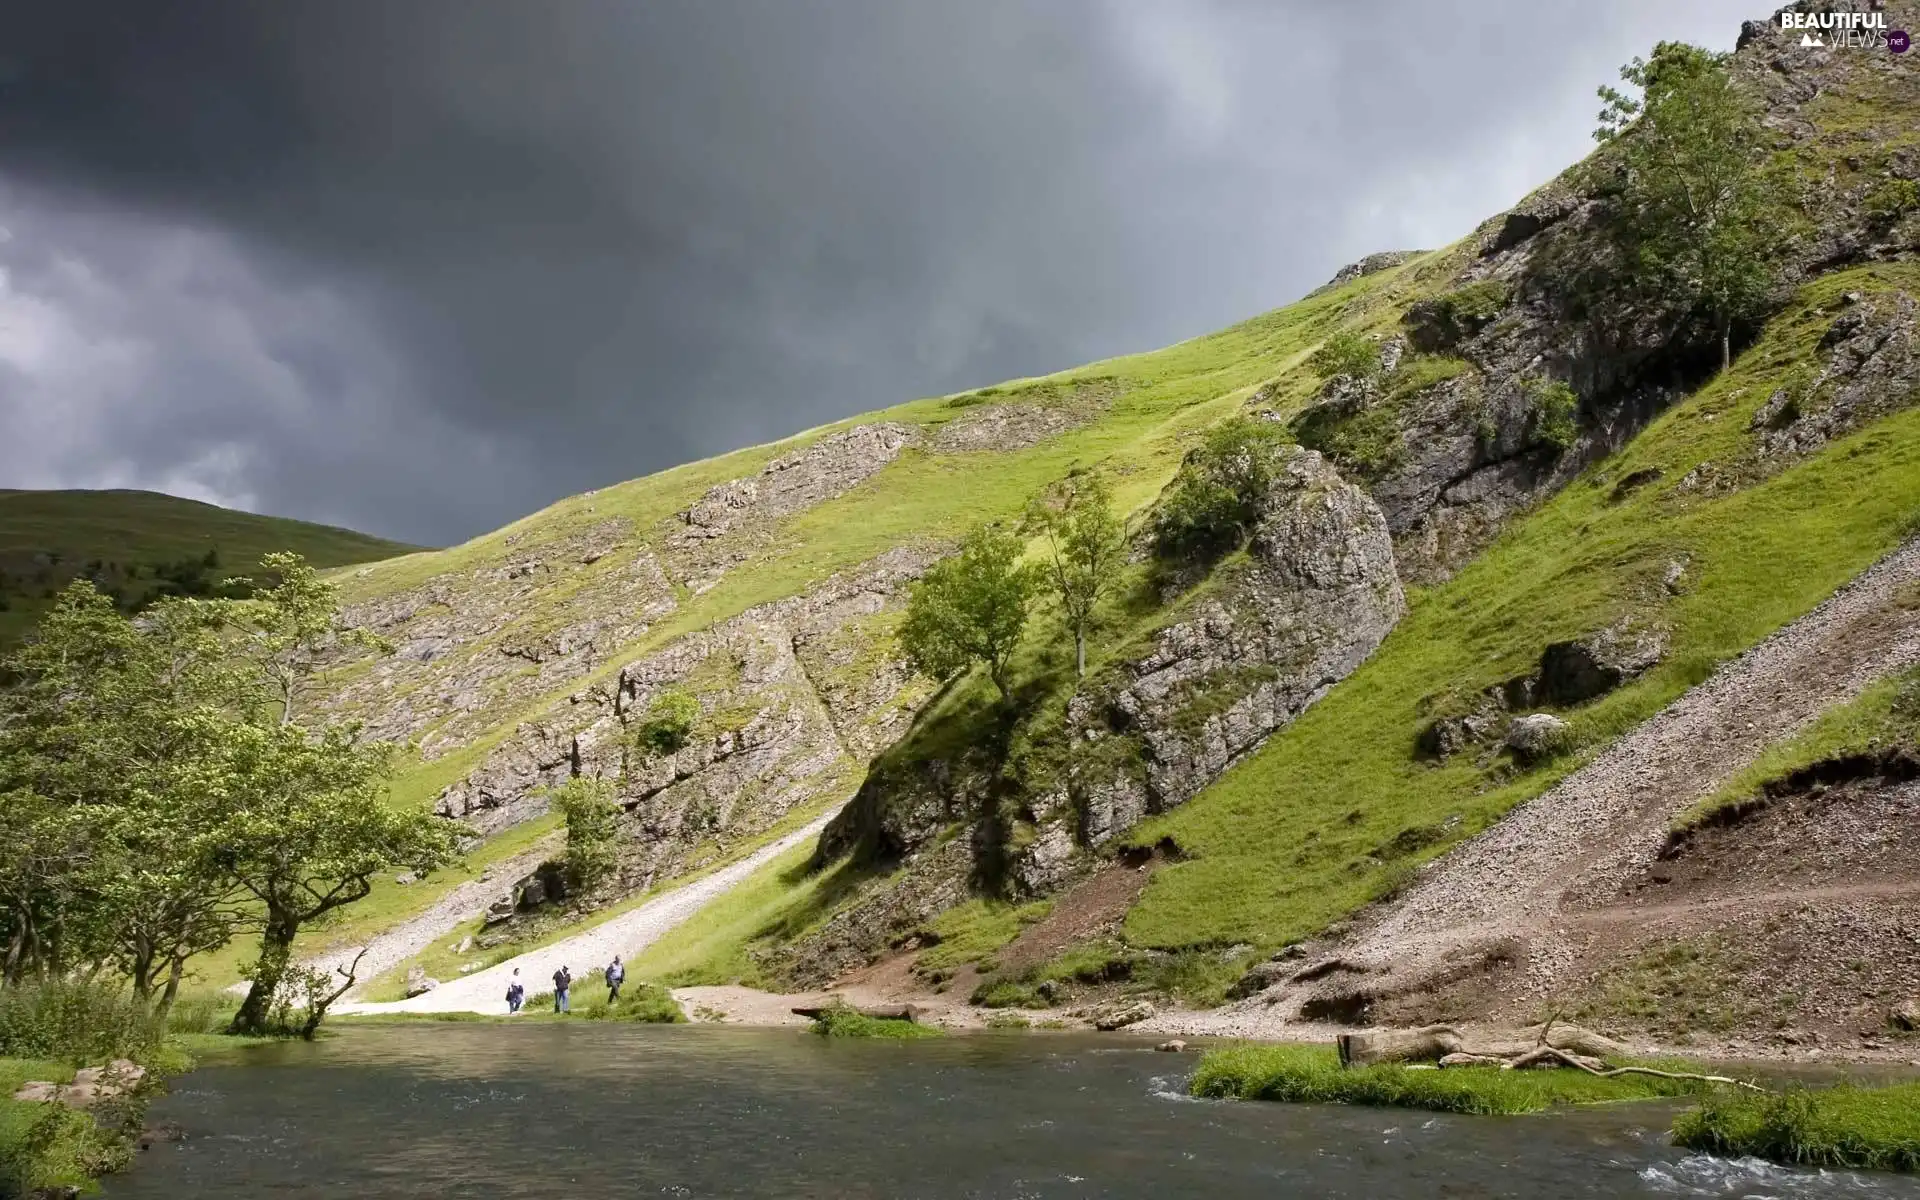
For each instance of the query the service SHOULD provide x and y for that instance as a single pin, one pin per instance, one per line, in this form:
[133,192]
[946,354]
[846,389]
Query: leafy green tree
[307,829]
[1089,546]
[592,815]
[287,631]
[306,822]
[1686,166]
[110,729]
[971,607]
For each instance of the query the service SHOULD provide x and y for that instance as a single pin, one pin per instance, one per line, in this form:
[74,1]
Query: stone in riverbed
[1122,1015]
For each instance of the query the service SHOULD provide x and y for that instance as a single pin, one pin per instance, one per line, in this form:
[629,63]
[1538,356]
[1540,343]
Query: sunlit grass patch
[1848,1127]
[1313,1075]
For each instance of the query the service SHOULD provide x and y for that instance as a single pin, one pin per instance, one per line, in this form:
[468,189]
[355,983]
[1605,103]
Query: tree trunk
[1080,653]
[276,951]
[1726,343]
[172,991]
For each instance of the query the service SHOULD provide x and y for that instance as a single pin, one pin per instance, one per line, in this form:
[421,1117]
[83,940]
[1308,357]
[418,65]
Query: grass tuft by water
[1313,1075]
[846,1023]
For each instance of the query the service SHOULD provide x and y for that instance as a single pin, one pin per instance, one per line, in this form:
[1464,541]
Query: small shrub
[1214,501]
[1893,198]
[592,816]
[1477,302]
[1347,353]
[669,725]
[1009,993]
[1368,440]
[1556,412]
[642,1003]
[74,1021]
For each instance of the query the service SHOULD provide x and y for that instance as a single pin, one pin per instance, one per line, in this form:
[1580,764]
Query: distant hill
[140,545]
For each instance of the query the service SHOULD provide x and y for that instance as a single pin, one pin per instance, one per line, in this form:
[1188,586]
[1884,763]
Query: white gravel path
[410,937]
[1612,815]
[586,952]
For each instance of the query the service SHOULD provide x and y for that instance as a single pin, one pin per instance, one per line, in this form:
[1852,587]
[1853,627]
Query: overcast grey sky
[421,266]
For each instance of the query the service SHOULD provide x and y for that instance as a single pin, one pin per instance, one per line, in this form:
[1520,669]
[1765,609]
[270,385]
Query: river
[606,1110]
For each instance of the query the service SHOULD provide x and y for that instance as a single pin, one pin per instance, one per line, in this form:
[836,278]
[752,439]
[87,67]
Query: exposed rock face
[790,693]
[1870,368]
[1315,596]
[1372,263]
[1003,427]
[737,519]
[1318,594]
[1577,671]
[465,652]
[827,468]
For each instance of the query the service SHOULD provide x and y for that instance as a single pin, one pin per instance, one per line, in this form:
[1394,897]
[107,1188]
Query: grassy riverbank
[1846,1127]
[1313,1075]
[47,1033]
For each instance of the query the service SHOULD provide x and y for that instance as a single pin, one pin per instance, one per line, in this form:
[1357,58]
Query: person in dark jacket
[562,980]
[616,975]
[516,992]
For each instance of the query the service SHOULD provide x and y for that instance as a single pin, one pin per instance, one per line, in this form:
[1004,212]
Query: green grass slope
[143,544]
[1306,830]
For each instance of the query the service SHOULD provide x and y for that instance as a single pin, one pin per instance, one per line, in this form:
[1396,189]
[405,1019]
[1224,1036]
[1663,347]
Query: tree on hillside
[971,608]
[307,829]
[1088,544]
[306,824]
[592,815]
[1684,164]
[287,630]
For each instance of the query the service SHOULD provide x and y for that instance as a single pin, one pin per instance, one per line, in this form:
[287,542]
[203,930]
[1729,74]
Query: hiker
[616,975]
[516,993]
[562,980]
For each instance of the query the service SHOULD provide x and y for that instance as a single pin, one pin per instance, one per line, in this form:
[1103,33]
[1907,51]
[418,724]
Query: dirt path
[1708,910]
[625,935]
[410,937]
[1503,892]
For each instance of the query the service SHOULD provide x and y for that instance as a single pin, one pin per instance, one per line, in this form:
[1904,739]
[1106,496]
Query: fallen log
[882,1012]
[1432,1043]
[1548,1045]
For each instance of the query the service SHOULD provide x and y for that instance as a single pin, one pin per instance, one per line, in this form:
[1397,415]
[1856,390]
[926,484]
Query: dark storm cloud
[422,266]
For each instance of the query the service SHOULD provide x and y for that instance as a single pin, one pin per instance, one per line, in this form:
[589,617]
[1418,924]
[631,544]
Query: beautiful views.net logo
[1866,30]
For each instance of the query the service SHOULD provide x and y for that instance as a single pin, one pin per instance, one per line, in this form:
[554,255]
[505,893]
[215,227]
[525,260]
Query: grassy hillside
[143,544]
[1689,520]
[1306,830]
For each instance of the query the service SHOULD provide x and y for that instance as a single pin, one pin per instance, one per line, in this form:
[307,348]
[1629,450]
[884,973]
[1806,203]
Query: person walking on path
[516,992]
[562,980]
[616,975]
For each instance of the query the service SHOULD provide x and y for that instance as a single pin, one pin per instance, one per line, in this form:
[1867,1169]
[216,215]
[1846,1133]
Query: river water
[604,1110]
